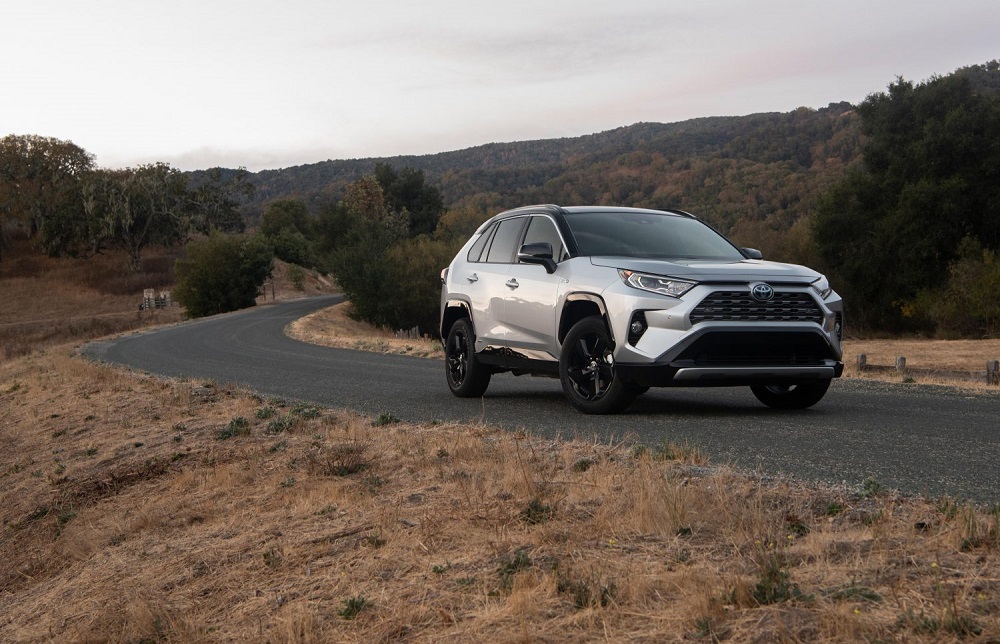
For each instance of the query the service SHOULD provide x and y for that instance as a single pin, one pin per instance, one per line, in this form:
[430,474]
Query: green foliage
[40,183]
[283,214]
[217,198]
[406,191]
[966,304]
[238,426]
[891,228]
[391,281]
[222,273]
[353,607]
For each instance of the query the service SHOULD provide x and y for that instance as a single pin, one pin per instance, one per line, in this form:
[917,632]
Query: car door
[533,296]
[484,283]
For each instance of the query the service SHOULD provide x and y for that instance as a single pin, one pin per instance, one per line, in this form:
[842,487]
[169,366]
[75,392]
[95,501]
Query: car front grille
[725,306]
[745,349]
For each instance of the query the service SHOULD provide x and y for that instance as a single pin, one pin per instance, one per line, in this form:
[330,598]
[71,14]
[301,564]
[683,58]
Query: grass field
[139,509]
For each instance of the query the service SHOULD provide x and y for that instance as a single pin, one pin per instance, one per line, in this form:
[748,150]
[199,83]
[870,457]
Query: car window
[648,235]
[541,229]
[476,252]
[502,247]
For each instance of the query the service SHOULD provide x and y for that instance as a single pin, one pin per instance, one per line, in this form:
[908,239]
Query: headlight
[656,283]
[822,287]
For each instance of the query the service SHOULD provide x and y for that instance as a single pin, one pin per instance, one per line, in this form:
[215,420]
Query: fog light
[637,327]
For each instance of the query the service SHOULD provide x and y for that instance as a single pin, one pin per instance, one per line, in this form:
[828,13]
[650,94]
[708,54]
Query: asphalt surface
[923,440]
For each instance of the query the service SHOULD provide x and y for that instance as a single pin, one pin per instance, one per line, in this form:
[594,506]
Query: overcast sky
[199,83]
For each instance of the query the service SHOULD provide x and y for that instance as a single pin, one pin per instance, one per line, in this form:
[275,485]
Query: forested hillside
[749,175]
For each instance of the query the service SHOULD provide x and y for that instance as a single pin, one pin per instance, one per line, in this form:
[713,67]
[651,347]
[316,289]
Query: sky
[280,83]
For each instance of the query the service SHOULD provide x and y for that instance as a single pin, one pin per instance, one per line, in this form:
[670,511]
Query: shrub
[222,273]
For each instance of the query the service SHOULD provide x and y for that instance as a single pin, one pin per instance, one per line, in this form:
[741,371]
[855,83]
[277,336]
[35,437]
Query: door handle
[512,283]
[472,278]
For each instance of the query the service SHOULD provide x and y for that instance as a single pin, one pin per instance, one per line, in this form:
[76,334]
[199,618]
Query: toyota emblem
[762,292]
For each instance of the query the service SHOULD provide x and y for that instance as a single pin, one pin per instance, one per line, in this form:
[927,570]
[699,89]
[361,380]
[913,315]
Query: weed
[375,540]
[342,459]
[385,418]
[536,512]
[280,446]
[587,595]
[833,508]
[14,387]
[307,412]
[289,482]
[326,509]
[58,433]
[178,438]
[442,453]
[774,585]
[272,558]
[870,487]
[795,525]
[266,412]
[511,565]
[440,570]
[373,483]
[91,451]
[353,607]
[853,592]
[583,464]
[283,424]
[238,426]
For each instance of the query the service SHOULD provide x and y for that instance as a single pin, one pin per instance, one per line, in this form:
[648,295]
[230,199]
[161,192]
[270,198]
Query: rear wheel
[467,377]
[587,370]
[797,396]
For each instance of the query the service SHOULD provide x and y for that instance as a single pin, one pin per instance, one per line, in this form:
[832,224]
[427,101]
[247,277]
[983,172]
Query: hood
[708,270]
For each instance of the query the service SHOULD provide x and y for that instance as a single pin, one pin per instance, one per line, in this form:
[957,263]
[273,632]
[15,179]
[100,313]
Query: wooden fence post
[862,361]
[900,363]
[993,372]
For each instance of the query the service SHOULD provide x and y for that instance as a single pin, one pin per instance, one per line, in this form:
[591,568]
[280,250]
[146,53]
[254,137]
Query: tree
[406,192]
[146,205]
[286,213]
[217,198]
[930,177]
[222,273]
[39,180]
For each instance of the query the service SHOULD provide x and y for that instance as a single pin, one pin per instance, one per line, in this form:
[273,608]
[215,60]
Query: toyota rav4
[613,301]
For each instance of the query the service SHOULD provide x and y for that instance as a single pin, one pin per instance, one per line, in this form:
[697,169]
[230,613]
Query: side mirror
[752,253]
[537,253]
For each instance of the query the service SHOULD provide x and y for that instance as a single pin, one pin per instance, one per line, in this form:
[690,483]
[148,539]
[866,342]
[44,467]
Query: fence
[989,375]
[153,300]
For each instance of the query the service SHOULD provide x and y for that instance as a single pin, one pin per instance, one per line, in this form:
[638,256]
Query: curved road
[926,440]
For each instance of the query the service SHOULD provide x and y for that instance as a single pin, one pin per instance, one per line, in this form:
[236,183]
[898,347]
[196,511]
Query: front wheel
[797,396]
[467,377]
[587,370]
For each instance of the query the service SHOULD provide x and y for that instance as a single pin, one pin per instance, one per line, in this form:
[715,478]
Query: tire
[467,377]
[587,370]
[798,396]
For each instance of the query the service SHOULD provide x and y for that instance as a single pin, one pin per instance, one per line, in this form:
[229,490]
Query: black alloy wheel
[587,370]
[467,377]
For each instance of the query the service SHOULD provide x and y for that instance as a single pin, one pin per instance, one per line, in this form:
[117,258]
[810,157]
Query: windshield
[648,235]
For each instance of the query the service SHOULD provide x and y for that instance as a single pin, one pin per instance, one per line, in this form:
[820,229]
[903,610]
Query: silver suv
[613,301]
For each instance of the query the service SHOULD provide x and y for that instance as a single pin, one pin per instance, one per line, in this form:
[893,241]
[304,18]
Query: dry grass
[334,327]
[139,509]
[50,301]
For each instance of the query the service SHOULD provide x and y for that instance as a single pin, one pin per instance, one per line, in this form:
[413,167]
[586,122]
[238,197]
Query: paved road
[933,441]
